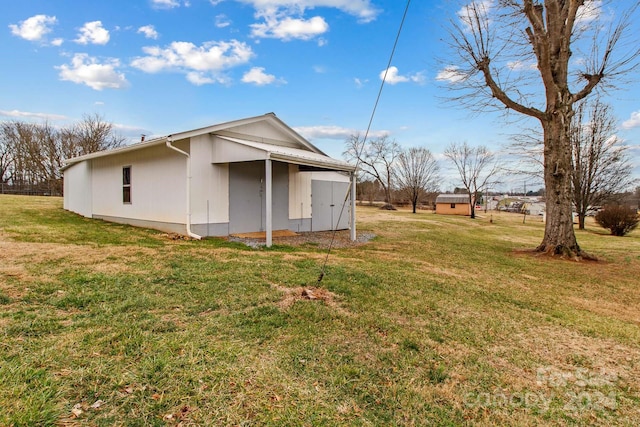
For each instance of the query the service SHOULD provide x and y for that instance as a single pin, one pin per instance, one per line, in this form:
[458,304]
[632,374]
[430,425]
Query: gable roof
[452,198]
[226,130]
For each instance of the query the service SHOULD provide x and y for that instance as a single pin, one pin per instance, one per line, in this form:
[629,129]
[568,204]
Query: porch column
[268,201]
[353,206]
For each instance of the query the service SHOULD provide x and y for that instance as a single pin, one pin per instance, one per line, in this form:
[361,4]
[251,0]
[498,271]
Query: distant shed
[453,204]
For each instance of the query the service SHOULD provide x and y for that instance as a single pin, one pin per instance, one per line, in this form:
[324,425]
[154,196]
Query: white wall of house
[330,176]
[209,184]
[299,193]
[77,189]
[158,185]
[227,151]
[264,131]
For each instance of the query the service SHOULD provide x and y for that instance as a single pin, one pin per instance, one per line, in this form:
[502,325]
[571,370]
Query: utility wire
[366,135]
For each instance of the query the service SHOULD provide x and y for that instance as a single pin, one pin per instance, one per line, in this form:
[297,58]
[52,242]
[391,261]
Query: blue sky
[156,67]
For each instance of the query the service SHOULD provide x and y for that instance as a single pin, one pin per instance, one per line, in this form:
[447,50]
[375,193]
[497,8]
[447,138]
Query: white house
[248,175]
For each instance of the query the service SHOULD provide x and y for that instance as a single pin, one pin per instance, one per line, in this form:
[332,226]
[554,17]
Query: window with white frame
[126,184]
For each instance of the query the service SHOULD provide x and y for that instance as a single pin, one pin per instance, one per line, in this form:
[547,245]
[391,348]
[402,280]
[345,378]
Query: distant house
[536,208]
[250,175]
[453,204]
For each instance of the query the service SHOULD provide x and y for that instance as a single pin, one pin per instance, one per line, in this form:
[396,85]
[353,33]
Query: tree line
[412,173]
[32,154]
[600,168]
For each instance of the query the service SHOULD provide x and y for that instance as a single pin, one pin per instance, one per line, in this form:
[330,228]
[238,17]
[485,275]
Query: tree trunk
[581,217]
[559,236]
[472,204]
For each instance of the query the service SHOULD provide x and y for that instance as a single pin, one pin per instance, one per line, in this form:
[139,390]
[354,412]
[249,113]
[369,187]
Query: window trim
[126,187]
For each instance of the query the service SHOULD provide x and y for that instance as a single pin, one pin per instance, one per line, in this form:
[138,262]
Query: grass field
[438,321]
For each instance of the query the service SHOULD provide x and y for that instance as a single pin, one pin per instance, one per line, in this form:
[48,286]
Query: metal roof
[289,155]
[270,117]
[452,198]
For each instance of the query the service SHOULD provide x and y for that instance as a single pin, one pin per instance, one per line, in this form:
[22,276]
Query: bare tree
[476,167]
[7,157]
[534,40]
[416,173]
[375,158]
[368,190]
[89,135]
[601,168]
[601,164]
[31,154]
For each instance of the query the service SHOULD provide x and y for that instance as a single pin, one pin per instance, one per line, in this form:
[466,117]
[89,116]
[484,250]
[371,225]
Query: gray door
[327,198]
[247,199]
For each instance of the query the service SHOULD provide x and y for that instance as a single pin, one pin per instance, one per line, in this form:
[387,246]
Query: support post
[268,201]
[353,206]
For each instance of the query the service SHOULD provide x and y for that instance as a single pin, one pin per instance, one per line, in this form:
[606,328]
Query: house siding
[299,193]
[247,201]
[209,185]
[460,209]
[158,186]
[77,189]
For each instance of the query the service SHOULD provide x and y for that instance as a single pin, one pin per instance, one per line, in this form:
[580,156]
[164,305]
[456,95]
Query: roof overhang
[121,150]
[232,150]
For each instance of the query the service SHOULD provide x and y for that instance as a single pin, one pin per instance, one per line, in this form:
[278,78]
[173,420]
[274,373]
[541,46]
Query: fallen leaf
[97,404]
[276,398]
[77,410]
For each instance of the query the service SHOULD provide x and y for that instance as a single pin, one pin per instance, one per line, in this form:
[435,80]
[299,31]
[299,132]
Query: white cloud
[165,4]
[30,115]
[468,12]
[633,121]
[588,12]
[258,77]
[320,69]
[521,66]
[362,9]
[202,64]
[149,31]
[87,70]
[285,19]
[451,74]
[34,28]
[222,21]
[360,83]
[334,132]
[199,78]
[393,76]
[288,28]
[57,42]
[94,33]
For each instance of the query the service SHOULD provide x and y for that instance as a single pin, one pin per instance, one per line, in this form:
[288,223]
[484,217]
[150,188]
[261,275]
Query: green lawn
[438,321]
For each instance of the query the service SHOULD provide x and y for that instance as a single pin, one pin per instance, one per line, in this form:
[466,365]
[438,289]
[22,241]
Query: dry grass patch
[306,293]
[616,309]
[416,327]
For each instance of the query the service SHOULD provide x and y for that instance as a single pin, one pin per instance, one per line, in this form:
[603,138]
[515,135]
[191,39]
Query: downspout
[189,232]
